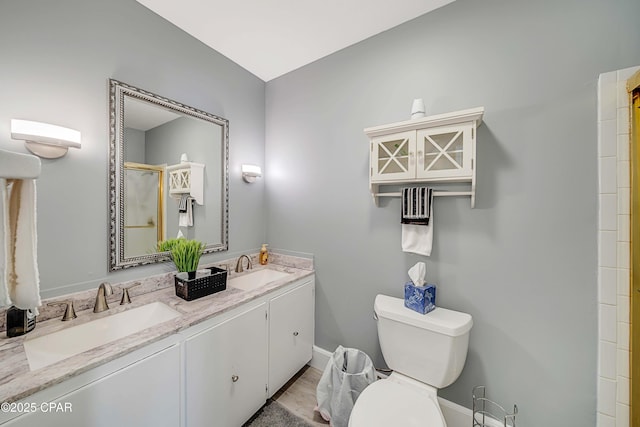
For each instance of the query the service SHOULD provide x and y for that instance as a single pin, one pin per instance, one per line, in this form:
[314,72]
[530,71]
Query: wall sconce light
[251,172]
[45,140]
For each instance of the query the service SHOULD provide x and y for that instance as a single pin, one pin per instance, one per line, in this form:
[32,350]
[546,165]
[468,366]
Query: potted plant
[185,254]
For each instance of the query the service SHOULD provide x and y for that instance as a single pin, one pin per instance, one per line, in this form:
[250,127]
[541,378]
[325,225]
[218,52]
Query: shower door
[144,208]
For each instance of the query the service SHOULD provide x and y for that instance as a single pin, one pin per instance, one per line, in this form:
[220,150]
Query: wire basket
[487,413]
[214,280]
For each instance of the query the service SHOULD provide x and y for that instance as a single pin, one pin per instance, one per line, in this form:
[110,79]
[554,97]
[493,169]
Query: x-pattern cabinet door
[393,157]
[445,152]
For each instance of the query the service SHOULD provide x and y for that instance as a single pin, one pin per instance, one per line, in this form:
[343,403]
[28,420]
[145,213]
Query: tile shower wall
[613,249]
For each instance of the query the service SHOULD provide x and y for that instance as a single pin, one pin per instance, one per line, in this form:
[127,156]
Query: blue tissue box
[420,298]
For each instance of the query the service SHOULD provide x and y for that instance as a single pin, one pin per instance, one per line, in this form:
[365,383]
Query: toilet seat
[388,403]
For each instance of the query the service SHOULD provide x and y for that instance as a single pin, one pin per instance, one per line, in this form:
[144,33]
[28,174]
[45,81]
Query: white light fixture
[251,172]
[43,139]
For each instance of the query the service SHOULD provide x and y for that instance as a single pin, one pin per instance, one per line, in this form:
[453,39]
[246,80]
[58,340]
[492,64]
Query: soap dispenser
[19,321]
[264,255]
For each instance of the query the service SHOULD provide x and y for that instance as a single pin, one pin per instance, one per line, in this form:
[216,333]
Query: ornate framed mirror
[168,176]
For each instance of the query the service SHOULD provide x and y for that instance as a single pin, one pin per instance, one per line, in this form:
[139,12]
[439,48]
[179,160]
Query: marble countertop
[17,381]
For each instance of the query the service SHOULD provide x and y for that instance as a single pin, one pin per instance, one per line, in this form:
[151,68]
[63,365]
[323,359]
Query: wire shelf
[487,413]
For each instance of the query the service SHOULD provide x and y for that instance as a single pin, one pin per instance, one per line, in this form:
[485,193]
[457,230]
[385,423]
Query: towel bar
[440,193]
[435,193]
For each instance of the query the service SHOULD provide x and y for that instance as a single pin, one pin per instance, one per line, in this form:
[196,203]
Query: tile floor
[299,396]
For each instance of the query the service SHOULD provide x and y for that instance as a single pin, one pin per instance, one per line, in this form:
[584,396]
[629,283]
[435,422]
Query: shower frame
[633,86]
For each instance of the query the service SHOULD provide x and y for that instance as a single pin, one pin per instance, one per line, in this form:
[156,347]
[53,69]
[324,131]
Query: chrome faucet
[239,268]
[101,301]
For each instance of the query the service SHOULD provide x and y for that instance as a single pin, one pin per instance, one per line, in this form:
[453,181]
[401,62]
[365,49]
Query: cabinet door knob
[295,334]
[235,378]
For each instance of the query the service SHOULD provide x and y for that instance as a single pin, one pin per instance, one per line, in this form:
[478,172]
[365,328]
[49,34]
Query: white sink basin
[47,349]
[256,279]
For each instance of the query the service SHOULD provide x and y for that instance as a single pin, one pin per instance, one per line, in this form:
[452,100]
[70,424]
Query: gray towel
[182,204]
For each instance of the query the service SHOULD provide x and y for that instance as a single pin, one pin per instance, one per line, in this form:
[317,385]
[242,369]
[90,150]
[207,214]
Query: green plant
[185,253]
[167,245]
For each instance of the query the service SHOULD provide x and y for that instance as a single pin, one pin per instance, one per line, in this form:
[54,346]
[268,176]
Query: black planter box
[202,285]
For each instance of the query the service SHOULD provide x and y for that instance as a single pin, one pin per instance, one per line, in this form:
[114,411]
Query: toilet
[426,352]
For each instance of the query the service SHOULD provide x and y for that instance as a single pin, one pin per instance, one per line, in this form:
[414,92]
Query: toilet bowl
[426,353]
[397,402]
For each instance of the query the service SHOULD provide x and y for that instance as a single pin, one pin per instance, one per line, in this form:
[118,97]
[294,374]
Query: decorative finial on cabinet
[417,109]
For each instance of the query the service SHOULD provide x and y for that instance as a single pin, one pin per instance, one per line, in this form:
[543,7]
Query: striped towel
[416,205]
[182,203]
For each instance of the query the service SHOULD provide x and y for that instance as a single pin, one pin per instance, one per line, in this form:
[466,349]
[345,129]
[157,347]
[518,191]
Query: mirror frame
[117,93]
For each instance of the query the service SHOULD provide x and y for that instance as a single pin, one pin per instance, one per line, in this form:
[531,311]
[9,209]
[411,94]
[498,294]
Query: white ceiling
[272,37]
[142,115]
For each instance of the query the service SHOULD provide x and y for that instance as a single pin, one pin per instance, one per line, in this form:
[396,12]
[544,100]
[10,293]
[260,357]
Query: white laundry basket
[348,372]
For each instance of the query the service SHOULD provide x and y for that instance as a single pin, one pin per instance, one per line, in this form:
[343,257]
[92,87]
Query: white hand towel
[197,182]
[21,279]
[418,239]
[185,219]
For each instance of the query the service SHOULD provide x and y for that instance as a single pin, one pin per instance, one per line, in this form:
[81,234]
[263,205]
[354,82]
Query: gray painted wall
[523,262]
[202,142]
[57,58]
[134,148]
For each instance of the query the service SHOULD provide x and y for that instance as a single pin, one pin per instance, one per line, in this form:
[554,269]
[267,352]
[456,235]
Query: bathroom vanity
[264,344]
[215,364]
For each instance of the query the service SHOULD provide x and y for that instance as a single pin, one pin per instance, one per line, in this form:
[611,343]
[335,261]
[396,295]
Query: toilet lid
[387,403]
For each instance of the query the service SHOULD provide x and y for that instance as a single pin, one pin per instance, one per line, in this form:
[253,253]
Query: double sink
[51,348]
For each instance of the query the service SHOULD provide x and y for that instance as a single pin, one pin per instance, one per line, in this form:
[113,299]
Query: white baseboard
[320,358]
[455,415]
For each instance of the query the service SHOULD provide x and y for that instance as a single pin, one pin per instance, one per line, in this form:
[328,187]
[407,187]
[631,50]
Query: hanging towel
[182,203]
[185,219]
[417,220]
[416,205]
[21,279]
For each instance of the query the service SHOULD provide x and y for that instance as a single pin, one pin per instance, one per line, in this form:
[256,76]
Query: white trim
[456,117]
[613,247]
[320,358]
[455,415]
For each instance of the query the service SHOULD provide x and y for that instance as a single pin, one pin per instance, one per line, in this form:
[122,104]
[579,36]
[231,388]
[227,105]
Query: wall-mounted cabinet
[432,149]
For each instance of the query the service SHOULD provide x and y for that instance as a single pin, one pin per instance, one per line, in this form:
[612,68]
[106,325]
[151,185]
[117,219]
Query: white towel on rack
[20,278]
[418,239]
[185,219]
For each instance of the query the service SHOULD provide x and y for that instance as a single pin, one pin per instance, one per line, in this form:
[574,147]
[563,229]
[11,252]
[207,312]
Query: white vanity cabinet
[432,149]
[218,372]
[291,333]
[226,370]
[145,392]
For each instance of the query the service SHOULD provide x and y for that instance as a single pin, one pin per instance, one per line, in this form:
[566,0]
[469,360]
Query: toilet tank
[430,348]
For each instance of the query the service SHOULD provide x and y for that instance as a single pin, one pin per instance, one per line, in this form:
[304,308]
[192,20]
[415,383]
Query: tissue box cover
[420,298]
